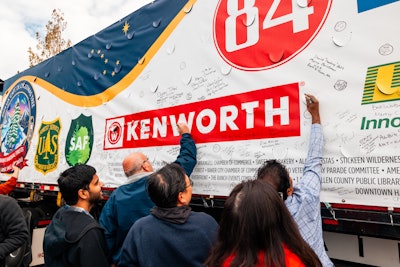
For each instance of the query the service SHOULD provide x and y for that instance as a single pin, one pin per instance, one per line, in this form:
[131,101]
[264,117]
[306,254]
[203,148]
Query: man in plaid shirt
[303,200]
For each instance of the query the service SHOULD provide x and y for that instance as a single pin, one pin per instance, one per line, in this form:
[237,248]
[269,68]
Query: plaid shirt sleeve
[304,205]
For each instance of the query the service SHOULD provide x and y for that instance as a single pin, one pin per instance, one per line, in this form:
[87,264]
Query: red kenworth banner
[265,113]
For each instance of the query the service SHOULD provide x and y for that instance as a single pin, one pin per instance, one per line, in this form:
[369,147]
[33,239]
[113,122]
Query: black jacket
[13,229]
[74,238]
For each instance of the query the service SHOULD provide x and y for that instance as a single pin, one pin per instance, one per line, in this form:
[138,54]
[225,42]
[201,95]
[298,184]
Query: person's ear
[145,167]
[83,194]
[181,199]
[289,191]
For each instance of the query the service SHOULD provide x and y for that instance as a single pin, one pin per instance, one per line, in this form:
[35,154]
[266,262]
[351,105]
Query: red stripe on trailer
[330,221]
[49,188]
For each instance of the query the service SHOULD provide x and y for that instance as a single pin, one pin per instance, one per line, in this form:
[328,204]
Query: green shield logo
[79,143]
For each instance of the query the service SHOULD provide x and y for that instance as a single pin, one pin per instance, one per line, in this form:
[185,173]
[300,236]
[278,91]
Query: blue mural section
[100,61]
[365,5]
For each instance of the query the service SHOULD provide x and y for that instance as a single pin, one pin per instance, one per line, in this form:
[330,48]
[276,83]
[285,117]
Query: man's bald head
[135,163]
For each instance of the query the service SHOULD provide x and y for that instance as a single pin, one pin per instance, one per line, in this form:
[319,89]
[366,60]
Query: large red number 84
[249,33]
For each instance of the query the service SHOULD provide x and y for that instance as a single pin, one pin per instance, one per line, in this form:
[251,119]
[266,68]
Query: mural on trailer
[236,72]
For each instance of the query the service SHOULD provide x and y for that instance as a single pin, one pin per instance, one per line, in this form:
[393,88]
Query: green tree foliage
[14,125]
[80,154]
[53,42]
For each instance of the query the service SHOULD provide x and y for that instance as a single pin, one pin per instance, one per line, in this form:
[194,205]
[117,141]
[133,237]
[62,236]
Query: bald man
[136,163]
[130,201]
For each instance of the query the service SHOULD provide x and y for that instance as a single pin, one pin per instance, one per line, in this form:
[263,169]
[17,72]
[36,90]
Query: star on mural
[125,28]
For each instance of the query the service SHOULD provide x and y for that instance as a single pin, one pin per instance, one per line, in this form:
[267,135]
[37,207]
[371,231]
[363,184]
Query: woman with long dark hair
[256,229]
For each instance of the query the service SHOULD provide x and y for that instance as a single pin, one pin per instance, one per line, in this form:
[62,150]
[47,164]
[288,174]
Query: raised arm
[187,157]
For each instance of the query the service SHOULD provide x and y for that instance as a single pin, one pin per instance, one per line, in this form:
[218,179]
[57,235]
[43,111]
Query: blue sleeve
[108,221]
[188,153]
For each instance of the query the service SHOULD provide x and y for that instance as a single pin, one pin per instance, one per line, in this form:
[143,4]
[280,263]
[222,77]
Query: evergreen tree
[14,126]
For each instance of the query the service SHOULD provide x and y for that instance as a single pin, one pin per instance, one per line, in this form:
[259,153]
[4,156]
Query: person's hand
[16,170]
[313,108]
[182,128]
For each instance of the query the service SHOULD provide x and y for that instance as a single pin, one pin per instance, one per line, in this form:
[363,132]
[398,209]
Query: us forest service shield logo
[17,123]
[47,151]
[79,143]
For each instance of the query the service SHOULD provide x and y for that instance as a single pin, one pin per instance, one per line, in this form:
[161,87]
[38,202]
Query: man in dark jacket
[74,238]
[172,235]
[130,201]
[13,229]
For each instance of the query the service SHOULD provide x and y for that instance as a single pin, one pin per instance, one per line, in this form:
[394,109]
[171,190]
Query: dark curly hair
[275,173]
[73,179]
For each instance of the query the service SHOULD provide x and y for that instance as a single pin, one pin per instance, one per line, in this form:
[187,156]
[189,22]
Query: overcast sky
[21,19]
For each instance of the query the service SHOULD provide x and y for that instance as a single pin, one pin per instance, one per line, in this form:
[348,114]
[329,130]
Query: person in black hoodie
[74,238]
[13,229]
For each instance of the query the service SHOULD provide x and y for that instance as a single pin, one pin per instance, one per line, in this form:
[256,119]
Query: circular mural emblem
[259,34]
[17,122]
[114,133]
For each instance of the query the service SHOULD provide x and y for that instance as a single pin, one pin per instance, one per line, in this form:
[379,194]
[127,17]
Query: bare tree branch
[53,42]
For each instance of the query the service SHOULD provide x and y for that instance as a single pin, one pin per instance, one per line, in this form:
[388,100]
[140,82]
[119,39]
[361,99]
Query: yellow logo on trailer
[382,84]
[47,149]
